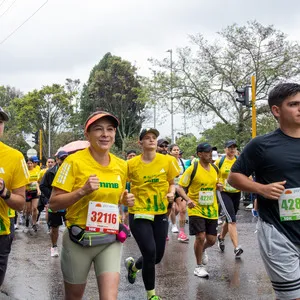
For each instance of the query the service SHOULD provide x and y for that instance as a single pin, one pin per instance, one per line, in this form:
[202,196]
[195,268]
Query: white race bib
[206,197]
[103,217]
[289,205]
[228,187]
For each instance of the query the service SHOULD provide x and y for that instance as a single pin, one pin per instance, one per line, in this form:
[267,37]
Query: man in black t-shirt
[275,160]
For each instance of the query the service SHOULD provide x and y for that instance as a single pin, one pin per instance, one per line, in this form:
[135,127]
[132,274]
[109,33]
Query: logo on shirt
[152,178]
[162,170]
[2,171]
[109,185]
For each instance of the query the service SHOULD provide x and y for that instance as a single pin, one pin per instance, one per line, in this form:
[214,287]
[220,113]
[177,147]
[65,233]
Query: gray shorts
[76,260]
[281,260]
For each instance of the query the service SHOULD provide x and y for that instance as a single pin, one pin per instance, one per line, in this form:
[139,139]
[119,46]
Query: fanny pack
[90,239]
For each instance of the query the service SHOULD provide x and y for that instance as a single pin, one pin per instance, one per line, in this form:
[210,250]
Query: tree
[32,112]
[206,75]
[188,144]
[114,86]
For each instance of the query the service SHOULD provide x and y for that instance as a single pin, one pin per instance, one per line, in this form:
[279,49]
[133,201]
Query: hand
[190,203]
[273,190]
[220,186]
[170,197]
[2,186]
[128,198]
[91,185]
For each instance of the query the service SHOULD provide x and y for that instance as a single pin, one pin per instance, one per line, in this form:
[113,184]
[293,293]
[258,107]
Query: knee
[210,240]
[200,238]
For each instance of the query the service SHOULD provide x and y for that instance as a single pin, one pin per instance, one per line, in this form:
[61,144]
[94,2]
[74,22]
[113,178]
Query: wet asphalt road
[33,274]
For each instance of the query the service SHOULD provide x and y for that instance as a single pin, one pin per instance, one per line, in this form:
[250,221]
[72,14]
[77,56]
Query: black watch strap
[7,196]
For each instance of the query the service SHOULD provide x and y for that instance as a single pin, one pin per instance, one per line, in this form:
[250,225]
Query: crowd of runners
[102,199]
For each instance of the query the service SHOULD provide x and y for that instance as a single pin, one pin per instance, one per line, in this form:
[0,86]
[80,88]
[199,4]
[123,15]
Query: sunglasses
[163,146]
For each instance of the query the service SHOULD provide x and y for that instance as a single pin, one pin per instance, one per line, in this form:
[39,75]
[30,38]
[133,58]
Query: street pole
[171,96]
[154,108]
[49,127]
[41,145]
[253,90]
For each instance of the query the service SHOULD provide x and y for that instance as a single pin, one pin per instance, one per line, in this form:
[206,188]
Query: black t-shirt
[273,157]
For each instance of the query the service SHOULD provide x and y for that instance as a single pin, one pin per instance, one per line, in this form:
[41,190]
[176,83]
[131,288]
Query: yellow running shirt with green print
[204,182]
[149,182]
[33,179]
[13,170]
[224,172]
[75,171]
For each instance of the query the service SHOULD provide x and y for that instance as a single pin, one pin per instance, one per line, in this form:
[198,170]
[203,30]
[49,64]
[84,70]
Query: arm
[171,191]
[185,197]
[244,183]
[61,199]
[17,198]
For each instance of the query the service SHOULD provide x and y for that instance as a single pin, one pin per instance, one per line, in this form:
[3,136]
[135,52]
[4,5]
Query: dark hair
[30,159]
[282,91]
[172,146]
[130,151]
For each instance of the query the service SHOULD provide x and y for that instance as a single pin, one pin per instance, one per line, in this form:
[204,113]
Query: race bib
[289,205]
[206,197]
[229,188]
[176,180]
[143,216]
[102,217]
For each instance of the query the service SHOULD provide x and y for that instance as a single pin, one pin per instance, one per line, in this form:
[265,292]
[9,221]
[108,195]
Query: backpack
[194,173]
[222,160]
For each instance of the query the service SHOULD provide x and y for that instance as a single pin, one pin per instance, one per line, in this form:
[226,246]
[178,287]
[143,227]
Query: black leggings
[230,203]
[151,239]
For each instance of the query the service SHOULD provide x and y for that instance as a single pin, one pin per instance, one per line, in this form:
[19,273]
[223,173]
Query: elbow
[231,179]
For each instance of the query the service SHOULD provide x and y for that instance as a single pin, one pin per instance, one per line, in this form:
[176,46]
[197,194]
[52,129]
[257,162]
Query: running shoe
[182,237]
[34,227]
[54,252]
[201,272]
[26,230]
[16,226]
[204,258]
[129,262]
[238,252]
[154,297]
[221,243]
[27,222]
[174,229]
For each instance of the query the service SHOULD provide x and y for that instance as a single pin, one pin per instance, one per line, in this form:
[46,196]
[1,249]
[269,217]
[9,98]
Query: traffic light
[243,96]
[36,137]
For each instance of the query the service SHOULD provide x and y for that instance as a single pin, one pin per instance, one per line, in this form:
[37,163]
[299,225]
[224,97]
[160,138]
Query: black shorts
[31,195]
[230,203]
[199,224]
[56,219]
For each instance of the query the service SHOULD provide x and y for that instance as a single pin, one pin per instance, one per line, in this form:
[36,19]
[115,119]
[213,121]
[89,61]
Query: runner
[202,204]
[32,196]
[151,176]
[230,199]
[90,184]
[274,159]
[179,206]
[13,179]
[54,219]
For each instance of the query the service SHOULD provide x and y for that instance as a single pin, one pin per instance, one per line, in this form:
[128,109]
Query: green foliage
[206,75]
[188,144]
[114,86]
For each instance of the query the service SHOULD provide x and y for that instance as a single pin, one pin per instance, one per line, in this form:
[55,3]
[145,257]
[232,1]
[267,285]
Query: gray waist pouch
[89,239]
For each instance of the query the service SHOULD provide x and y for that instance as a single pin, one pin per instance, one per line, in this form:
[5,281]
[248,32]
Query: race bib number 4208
[289,205]
[103,217]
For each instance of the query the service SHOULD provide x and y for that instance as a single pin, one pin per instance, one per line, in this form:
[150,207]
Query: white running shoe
[54,252]
[174,229]
[204,258]
[201,272]
[26,230]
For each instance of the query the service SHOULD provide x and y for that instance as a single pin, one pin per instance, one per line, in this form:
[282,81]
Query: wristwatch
[7,196]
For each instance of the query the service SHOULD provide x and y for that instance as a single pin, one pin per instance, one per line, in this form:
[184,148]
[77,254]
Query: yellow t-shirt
[224,172]
[33,179]
[42,173]
[204,183]
[11,213]
[37,168]
[150,183]
[13,170]
[75,171]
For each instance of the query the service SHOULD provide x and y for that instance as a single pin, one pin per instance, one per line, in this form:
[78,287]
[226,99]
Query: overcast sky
[66,38]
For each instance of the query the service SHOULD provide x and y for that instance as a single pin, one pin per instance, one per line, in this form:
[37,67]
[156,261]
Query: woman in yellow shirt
[151,176]
[90,184]
[32,196]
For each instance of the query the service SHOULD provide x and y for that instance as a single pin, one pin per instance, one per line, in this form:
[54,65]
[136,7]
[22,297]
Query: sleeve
[174,169]
[65,176]
[125,175]
[186,177]
[21,174]
[250,159]
[217,162]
